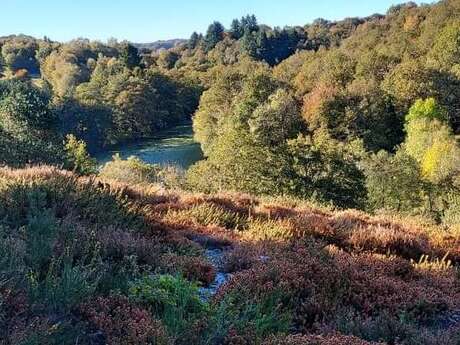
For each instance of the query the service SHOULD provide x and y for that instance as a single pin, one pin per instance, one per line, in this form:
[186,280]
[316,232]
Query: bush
[239,318]
[135,171]
[317,340]
[63,287]
[123,323]
[12,260]
[173,300]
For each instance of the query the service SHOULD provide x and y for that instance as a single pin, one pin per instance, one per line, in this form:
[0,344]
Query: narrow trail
[215,257]
[214,252]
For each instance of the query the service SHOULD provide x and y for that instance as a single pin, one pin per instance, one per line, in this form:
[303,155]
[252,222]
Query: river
[174,146]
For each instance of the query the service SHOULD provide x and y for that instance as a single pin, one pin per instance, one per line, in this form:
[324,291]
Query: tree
[407,82]
[141,101]
[393,182]
[25,110]
[445,53]
[214,35]
[441,162]
[236,29]
[277,120]
[238,163]
[92,123]
[249,44]
[77,156]
[370,115]
[427,109]
[129,55]
[167,59]
[64,73]
[323,173]
[28,127]
[425,124]
[215,107]
[432,147]
[249,23]
[193,41]
[19,53]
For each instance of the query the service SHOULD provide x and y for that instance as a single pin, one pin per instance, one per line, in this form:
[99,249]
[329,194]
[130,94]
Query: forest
[330,180]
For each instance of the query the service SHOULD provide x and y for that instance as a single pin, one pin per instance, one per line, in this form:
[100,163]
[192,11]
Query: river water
[174,146]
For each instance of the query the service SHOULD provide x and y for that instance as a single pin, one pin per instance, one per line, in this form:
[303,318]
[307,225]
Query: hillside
[160,45]
[324,209]
[98,261]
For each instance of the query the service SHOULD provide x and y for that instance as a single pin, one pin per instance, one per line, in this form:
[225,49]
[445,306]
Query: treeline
[367,122]
[101,93]
[324,111]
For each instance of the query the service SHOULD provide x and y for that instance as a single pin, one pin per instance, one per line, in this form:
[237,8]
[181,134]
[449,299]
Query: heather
[118,264]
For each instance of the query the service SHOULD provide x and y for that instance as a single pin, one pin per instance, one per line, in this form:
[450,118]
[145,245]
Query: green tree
[214,35]
[323,173]
[28,127]
[249,44]
[394,182]
[276,121]
[427,109]
[445,53]
[193,41]
[129,55]
[237,163]
[425,125]
[78,158]
[236,29]
[24,109]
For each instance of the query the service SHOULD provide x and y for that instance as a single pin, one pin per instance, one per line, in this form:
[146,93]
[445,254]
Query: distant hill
[159,45]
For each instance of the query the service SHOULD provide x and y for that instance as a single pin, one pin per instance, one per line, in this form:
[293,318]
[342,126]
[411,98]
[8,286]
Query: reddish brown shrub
[192,267]
[123,323]
[317,340]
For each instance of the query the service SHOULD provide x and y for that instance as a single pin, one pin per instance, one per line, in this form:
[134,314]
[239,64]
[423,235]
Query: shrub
[193,268]
[174,300]
[12,259]
[123,323]
[40,234]
[238,317]
[317,340]
[135,171]
[64,287]
[274,230]
[46,331]
[65,194]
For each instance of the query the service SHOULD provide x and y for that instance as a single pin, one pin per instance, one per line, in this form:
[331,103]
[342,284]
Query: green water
[174,146]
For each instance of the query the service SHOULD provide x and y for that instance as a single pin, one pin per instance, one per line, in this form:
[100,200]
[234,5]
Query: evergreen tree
[129,55]
[249,44]
[236,29]
[214,35]
[249,23]
[193,41]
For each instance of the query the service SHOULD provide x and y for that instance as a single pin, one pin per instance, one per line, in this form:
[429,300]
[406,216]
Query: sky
[151,20]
